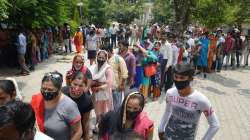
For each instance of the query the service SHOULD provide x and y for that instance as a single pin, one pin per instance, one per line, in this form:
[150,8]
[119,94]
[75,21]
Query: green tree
[177,13]
[210,12]
[124,11]
[96,12]
[3,9]
[162,11]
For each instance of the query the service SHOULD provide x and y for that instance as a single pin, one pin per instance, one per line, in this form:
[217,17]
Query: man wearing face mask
[184,107]
[56,114]
[166,67]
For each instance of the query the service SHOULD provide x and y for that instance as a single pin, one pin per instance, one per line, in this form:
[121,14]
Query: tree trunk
[182,10]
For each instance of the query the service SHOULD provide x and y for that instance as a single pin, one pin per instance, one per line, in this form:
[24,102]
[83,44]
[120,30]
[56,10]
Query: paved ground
[229,92]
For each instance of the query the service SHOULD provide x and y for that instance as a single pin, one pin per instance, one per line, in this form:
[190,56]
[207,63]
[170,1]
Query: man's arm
[212,121]
[133,70]
[165,118]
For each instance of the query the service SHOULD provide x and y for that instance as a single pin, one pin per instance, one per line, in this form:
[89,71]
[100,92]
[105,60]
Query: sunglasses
[54,76]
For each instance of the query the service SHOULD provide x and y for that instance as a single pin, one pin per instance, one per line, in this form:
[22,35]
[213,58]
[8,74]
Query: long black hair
[122,111]
[8,87]
[18,113]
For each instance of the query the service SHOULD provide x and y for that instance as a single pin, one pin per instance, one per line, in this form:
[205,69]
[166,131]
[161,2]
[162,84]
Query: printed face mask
[76,92]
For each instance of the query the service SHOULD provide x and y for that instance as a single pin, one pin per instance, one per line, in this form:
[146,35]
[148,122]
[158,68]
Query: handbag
[150,70]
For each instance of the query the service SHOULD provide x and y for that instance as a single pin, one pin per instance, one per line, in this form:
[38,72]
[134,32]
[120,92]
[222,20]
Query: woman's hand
[94,89]
[76,131]
[85,90]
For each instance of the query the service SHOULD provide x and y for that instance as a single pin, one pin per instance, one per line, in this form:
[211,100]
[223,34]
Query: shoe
[197,73]
[31,68]
[205,75]
[23,74]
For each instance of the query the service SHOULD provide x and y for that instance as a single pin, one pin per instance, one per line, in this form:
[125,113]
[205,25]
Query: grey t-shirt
[58,120]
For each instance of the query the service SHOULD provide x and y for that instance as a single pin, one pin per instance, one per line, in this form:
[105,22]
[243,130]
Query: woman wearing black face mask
[102,76]
[184,108]
[56,114]
[129,118]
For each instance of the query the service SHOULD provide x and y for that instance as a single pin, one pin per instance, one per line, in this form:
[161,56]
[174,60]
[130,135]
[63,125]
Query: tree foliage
[96,12]
[3,9]
[44,13]
[37,13]
[210,13]
[162,11]
[124,11]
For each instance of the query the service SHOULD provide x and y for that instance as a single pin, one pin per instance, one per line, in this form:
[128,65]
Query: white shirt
[182,114]
[167,53]
[220,40]
[22,44]
[175,54]
[91,42]
[113,30]
[134,32]
[191,42]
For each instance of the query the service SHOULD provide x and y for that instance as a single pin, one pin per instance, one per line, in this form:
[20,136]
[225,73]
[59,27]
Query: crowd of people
[34,46]
[128,67]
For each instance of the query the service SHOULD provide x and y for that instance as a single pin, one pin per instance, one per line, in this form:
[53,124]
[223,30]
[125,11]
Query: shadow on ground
[244,92]
[214,90]
[224,81]
[9,72]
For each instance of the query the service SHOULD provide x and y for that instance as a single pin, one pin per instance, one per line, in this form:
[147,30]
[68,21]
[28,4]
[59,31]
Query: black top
[84,102]
[111,124]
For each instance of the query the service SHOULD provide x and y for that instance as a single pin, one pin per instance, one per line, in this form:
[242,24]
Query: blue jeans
[219,63]
[117,99]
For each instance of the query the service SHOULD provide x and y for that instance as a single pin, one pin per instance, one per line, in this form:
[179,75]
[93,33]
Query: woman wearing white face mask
[102,85]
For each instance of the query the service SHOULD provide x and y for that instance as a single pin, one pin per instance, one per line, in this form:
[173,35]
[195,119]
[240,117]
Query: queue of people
[63,112]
